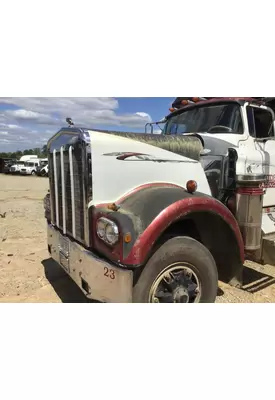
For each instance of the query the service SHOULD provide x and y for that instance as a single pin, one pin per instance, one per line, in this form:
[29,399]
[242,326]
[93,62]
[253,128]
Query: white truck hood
[112,178]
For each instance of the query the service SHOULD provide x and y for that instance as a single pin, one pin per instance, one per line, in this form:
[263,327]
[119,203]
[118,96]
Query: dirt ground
[28,275]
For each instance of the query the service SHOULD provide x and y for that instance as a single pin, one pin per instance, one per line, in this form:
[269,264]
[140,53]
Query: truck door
[261,128]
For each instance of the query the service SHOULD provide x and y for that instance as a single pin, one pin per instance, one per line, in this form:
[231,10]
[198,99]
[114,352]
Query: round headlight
[107,231]
[111,233]
[100,228]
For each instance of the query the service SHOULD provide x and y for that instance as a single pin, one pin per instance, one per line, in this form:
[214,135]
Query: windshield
[221,118]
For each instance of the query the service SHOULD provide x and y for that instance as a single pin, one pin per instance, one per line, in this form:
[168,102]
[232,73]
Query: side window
[260,123]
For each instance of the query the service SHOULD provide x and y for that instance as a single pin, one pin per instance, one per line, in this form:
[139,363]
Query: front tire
[182,270]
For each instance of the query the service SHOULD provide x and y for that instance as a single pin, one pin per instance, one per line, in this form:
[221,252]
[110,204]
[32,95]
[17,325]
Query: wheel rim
[177,283]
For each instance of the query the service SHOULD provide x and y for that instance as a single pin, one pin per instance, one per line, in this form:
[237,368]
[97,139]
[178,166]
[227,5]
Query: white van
[17,166]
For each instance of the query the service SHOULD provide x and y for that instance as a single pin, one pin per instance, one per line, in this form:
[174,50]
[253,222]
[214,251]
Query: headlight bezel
[101,232]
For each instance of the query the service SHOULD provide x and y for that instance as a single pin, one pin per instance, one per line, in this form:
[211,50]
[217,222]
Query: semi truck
[150,218]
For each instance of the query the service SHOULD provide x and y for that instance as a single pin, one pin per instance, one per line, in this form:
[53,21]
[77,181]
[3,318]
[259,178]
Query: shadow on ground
[255,281]
[68,292]
[63,285]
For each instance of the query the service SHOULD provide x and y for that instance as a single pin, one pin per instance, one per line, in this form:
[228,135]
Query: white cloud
[143,115]
[83,110]
[33,117]
[27,116]
[62,105]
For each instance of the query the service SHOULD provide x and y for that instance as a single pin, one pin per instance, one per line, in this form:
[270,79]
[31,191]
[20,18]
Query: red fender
[180,209]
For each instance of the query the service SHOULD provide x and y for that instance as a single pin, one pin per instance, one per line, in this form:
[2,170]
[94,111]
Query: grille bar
[55,188]
[63,189]
[72,189]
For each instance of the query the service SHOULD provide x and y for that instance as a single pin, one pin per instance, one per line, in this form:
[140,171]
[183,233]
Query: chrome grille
[67,172]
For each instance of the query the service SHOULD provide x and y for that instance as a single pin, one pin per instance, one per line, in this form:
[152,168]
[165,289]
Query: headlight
[101,228]
[107,231]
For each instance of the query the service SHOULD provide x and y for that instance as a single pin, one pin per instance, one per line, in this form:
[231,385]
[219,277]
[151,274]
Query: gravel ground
[28,275]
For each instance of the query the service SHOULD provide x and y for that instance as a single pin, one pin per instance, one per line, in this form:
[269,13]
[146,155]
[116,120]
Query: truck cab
[244,126]
[15,168]
[30,167]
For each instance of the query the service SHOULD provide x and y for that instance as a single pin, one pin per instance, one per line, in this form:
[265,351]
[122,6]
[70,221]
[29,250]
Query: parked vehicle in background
[44,171]
[40,169]
[4,162]
[18,165]
[29,168]
[7,167]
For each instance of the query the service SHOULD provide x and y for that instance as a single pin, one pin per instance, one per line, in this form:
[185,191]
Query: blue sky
[27,122]
[157,107]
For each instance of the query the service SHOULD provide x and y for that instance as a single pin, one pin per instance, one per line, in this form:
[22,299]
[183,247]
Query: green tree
[28,152]
[44,150]
[19,154]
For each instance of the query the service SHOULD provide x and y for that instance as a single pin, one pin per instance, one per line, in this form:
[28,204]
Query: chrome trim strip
[63,189]
[51,188]
[250,178]
[85,194]
[55,188]
[72,188]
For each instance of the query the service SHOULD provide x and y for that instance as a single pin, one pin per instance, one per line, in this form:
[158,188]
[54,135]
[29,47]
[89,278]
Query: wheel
[33,173]
[182,270]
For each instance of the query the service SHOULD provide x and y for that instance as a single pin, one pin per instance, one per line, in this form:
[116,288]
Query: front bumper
[99,280]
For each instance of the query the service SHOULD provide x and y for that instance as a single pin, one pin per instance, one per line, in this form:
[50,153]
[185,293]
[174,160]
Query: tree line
[40,152]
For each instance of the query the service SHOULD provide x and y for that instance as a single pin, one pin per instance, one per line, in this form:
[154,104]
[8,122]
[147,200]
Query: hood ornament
[69,122]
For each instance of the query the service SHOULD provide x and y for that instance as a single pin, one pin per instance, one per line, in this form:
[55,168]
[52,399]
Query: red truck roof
[187,102]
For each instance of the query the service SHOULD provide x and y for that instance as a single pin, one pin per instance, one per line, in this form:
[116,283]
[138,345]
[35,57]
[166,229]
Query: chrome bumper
[98,279]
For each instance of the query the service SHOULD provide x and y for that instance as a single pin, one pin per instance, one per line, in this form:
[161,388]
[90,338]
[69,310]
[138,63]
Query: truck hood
[124,161]
[118,162]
